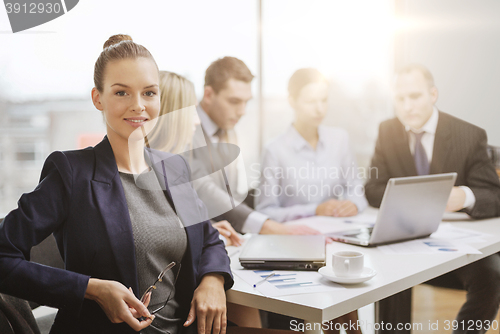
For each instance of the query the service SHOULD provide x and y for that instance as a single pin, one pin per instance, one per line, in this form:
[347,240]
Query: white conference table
[395,273]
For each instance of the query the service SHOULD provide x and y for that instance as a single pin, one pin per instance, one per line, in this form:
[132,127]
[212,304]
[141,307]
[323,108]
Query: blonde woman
[176,126]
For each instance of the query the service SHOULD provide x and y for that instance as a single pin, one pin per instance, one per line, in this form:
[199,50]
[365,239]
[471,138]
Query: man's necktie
[223,139]
[419,155]
[224,154]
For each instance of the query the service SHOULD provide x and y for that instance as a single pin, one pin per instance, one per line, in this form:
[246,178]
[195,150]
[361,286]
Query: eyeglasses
[158,280]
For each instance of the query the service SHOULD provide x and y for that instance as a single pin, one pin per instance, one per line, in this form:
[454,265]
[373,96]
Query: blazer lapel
[110,198]
[403,150]
[442,147]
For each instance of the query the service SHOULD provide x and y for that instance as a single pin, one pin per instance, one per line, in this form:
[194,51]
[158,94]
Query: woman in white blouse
[310,169]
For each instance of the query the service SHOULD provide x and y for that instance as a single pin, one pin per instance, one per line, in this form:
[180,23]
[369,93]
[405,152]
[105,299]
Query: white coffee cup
[347,263]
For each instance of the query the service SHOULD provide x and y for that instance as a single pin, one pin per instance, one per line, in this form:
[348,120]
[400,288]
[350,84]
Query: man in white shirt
[422,140]
[227,91]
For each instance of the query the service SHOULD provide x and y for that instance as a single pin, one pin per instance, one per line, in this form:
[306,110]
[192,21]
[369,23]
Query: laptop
[412,207]
[284,252]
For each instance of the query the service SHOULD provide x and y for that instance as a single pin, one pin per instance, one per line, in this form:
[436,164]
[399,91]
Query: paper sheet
[429,246]
[331,224]
[287,282]
[447,239]
[450,232]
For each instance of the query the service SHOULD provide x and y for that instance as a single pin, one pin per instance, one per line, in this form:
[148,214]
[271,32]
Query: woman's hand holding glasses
[119,303]
[145,300]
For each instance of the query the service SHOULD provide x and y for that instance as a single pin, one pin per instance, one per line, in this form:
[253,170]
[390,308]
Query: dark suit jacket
[458,147]
[206,160]
[80,200]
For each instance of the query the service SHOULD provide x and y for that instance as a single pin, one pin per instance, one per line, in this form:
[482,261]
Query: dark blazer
[458,147]
[80,200]
[207,160]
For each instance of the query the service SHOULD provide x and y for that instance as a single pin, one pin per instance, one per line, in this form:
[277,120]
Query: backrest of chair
[17,316]
[250,199]
[5,327]
[494,154]
[47,253]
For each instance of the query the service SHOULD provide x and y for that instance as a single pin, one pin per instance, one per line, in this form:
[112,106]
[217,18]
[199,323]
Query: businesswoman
[310,170]
[115,217]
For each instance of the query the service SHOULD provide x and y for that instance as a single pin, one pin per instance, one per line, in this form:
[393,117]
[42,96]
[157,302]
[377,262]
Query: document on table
[331,224]
[429,246]
[287,282]
[450,232]
[447,239]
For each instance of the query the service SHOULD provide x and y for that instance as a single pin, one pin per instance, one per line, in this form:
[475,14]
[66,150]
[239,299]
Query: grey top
[159,239]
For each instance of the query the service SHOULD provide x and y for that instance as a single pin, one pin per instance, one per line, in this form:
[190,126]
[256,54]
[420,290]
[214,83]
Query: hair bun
[115,39]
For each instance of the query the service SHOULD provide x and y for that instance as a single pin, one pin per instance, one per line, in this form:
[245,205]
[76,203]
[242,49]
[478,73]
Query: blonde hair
[174,132]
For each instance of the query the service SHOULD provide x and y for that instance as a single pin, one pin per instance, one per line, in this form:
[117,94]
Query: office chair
[16,316]
[46,253]
[494,154]
[250,199]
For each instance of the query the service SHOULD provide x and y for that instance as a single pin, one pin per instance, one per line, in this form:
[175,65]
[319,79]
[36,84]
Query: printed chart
[281,283]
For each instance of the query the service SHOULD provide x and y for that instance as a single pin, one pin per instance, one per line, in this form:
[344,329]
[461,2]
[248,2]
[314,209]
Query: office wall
[351,43]
[458,40]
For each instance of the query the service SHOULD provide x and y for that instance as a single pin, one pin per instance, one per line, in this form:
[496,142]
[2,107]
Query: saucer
[367,274]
